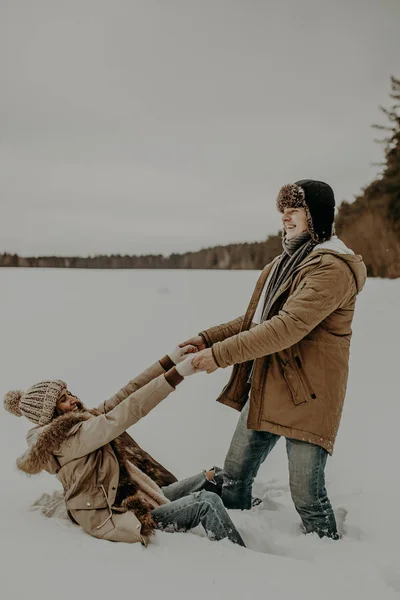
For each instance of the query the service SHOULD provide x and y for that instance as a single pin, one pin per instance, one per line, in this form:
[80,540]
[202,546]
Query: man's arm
[222,332]
[208,337]
[205,340]
[323,290]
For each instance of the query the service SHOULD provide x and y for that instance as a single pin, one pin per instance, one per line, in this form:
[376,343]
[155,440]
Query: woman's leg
[207,480]
[201,507]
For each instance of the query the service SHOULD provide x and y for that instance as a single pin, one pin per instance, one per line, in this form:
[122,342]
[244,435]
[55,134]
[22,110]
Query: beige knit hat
[38,402]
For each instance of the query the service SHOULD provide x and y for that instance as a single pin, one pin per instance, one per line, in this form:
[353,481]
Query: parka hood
[44,441]
[354,261]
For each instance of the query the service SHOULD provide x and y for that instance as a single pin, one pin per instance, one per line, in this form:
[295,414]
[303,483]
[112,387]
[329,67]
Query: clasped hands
[186,364]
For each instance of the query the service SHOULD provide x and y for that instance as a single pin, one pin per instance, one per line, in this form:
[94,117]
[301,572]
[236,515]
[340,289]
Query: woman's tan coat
[85,462]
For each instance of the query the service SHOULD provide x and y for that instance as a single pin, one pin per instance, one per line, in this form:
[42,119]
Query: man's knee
[306,472]
[302,495]
[235,463]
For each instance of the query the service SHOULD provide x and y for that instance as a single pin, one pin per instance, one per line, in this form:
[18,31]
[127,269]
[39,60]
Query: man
[290,352]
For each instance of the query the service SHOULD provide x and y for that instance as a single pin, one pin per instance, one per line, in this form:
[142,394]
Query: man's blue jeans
[247,452]
[191,504]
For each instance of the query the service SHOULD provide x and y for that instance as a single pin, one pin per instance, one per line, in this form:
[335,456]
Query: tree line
[233,256]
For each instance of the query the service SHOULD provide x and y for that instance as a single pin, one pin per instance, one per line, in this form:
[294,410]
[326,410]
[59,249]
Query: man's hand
[197,341]
[204,361]
[179,353]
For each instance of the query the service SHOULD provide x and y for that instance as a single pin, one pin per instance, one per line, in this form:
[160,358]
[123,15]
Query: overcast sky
[143,126]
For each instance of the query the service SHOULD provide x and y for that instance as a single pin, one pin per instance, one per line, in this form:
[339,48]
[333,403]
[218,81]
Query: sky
[152,127]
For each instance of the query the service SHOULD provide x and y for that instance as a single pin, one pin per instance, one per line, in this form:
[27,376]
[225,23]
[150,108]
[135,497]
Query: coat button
[87,503]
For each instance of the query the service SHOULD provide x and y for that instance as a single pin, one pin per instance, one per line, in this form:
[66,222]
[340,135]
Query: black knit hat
[318,199]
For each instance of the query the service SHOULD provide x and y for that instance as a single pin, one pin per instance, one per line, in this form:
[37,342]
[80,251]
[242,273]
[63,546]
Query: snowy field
[96,330]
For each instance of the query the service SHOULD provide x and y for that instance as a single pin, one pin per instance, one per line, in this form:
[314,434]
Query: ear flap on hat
[320,200]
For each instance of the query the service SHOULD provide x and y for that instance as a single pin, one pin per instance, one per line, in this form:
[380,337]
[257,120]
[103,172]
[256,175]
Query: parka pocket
[92,511]
[304,377]
[293,380]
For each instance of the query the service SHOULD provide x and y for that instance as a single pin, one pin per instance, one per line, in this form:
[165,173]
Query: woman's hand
[178,354]
[185,368]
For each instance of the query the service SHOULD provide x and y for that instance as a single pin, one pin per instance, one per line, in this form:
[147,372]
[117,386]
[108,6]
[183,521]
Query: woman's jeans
[307,461]
[190,504]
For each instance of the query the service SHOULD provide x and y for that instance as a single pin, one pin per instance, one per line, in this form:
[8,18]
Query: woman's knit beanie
[38,402]
[318,199]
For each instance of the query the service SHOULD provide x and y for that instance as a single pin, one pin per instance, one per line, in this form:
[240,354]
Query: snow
[98,329]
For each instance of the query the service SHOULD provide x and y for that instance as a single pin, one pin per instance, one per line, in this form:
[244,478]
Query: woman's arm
[135,384]
[94,433]
[102,429]
[167,362]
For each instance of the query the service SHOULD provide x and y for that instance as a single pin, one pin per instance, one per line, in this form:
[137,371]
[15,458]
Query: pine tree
[391,174]
[371,224]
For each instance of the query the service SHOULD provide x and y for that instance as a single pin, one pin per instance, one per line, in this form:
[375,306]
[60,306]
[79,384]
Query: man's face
[67,402]
[294,221]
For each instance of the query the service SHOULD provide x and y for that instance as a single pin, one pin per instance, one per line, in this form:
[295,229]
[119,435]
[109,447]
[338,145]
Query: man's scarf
[294,252]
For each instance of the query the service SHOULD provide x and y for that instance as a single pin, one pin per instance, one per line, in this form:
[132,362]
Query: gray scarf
[294,252]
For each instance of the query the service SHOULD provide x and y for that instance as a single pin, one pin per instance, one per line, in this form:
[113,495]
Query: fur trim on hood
[355,262]
[44,441]
[334,244]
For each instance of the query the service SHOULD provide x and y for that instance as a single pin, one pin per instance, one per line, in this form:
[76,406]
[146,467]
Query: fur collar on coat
[44,441]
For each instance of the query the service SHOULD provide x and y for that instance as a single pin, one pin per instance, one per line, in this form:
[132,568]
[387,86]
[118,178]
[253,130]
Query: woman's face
[67,402]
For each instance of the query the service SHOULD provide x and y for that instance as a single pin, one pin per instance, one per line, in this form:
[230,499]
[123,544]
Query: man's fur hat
[318,199]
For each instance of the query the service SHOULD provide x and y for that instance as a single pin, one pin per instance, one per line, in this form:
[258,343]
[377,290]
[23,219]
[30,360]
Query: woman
[112,488]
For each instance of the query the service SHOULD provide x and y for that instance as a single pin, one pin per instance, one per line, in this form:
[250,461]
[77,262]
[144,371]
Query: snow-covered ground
[96,330]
